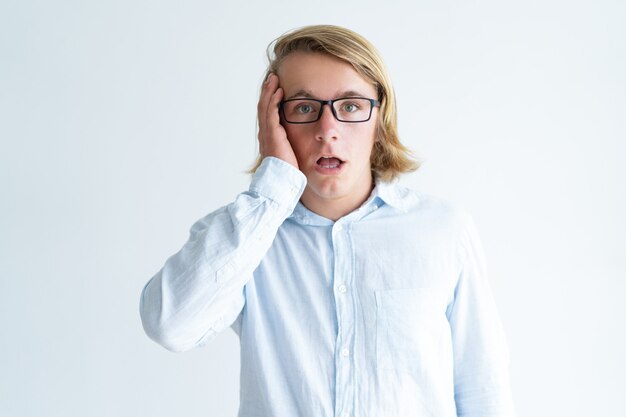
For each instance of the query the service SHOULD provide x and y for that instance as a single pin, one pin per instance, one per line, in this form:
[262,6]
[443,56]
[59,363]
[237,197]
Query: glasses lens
[301,111]
[353,109]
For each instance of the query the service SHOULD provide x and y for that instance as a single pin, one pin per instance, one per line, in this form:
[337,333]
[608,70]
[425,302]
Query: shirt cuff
[279,181]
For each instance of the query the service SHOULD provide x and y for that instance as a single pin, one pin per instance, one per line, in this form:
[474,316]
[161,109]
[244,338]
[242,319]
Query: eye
[350,107]
[304,108]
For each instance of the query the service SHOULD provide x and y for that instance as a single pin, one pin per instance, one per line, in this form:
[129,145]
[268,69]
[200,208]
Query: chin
[329,190]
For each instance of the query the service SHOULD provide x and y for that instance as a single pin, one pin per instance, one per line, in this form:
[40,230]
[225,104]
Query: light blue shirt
[386,312]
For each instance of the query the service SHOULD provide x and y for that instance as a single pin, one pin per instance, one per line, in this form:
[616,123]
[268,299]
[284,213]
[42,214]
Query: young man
[351,295]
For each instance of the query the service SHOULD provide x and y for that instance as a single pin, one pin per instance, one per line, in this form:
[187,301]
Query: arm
[199,290]
[481,362]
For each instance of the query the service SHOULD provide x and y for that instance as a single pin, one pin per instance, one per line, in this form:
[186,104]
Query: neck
[336,207]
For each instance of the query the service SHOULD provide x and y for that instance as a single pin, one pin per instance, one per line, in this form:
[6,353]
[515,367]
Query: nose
[327,125]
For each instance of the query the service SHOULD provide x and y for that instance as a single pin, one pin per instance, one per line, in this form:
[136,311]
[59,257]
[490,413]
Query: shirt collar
[386,191]
[394,194]
[390,193]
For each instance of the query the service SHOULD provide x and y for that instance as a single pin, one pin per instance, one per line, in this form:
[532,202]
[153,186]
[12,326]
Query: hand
[272,135]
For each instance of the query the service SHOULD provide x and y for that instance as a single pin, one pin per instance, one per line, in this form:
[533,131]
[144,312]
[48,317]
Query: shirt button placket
[344,385]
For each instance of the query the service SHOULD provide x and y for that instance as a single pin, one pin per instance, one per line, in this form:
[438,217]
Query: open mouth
[329,162]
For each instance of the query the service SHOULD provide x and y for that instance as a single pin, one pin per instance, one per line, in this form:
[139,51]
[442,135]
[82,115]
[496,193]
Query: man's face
[334,155]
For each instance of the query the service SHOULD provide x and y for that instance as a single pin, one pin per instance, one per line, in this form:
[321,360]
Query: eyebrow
[308,94]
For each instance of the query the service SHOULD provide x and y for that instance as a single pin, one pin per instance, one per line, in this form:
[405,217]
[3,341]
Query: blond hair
[390,157]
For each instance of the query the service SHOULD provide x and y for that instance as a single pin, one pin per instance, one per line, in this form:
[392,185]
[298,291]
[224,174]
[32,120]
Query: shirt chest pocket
[411,328]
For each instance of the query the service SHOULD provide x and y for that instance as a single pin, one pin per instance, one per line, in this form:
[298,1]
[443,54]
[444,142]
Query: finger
[269,87]
[272,111]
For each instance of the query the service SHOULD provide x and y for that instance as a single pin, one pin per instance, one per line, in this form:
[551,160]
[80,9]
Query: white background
[122,122]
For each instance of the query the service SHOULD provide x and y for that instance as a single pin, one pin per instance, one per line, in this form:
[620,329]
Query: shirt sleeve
[199,290]
[481,361]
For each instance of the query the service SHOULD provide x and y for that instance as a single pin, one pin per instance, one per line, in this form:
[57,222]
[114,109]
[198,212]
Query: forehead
[321,76]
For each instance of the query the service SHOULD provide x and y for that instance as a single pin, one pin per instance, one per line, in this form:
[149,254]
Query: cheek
[369,137]
[297,139]
[297,133]
[291,132]
[364,152]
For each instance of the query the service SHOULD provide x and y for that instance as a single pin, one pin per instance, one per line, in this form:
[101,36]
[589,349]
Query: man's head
[389,157]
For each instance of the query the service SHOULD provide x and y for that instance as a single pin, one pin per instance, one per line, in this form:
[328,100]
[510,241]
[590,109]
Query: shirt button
[339,228]
[345,352]
[342,289]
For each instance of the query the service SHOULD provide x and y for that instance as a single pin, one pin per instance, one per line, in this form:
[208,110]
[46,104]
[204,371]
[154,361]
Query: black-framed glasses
[345,109]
